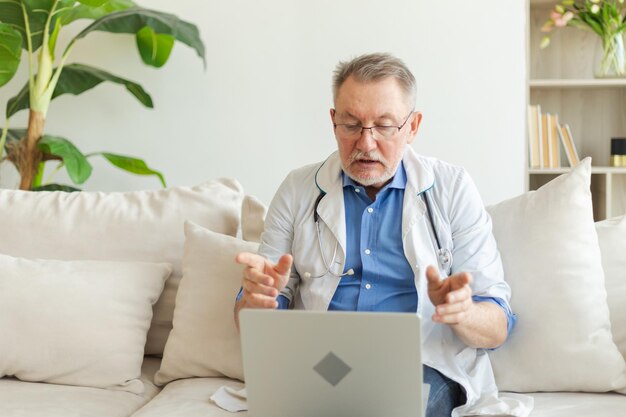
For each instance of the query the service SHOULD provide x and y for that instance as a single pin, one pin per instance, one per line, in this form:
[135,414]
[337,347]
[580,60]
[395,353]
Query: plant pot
[611,57]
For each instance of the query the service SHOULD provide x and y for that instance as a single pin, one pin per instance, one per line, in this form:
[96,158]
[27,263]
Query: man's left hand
[452,297]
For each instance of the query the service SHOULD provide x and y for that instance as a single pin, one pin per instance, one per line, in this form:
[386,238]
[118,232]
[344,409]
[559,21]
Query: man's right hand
[262,281]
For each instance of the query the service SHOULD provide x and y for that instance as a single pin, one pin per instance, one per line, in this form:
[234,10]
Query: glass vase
[611,58]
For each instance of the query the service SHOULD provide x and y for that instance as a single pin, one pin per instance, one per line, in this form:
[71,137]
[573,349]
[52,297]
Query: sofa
[120,304]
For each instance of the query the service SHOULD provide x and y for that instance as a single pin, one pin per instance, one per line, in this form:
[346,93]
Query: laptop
[331,364]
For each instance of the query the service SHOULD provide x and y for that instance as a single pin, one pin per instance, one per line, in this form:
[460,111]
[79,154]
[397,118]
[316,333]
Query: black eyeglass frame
[374,127]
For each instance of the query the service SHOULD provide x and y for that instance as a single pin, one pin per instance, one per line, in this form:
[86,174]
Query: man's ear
[415,124]
[332,115]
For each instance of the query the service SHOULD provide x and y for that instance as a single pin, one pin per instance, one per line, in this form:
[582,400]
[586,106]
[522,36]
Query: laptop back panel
[344,364]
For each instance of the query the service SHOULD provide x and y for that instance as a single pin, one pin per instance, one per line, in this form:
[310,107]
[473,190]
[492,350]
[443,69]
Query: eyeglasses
[352,131]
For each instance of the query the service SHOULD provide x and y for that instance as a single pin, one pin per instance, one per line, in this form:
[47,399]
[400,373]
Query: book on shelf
[534,136]
[554,148]
[568,144]
[546,137]
[545,140]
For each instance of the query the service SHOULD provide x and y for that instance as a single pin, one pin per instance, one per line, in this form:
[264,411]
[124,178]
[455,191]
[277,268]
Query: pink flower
[560,20]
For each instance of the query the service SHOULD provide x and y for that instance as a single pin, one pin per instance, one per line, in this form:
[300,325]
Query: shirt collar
[398,181]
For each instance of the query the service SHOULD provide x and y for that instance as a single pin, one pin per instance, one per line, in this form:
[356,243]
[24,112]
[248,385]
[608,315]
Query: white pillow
[551,257]
[78,323]
[612,238]
[253,213]
[204,341]
[132,226]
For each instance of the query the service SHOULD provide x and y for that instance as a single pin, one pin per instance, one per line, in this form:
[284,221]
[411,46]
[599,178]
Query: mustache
[371,156]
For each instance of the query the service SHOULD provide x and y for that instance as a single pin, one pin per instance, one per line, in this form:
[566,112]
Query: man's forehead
[354,115]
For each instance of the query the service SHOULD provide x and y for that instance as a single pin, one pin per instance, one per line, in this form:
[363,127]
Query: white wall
[261,106]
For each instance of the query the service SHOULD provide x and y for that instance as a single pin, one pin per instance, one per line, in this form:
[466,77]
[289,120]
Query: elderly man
[377,227]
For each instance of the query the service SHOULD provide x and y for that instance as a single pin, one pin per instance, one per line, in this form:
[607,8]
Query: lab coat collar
[328,179]
[419,177]
[398,181]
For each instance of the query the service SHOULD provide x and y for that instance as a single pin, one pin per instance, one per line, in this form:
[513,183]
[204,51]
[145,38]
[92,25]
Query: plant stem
[3,138]
[30,154]
[29,42]
[42,95]
[38,178]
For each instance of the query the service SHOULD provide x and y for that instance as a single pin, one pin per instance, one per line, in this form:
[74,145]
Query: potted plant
[34,26]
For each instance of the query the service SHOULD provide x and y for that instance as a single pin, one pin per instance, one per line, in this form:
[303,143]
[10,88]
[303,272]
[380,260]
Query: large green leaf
[93,3]
[134,19]
[76,164]
[10,52]
[11,12]
[56,187]
[87,12]
[133,165]
[76,79]
[154,48]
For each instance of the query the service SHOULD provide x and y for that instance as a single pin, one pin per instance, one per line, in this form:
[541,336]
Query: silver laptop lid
[331,364]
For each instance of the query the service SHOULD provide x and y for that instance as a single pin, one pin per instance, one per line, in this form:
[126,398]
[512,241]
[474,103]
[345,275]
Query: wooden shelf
[594,170]
[561,81]
[578,83]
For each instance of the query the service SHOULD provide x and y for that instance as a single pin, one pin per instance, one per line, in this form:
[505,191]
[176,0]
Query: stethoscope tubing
[444,256]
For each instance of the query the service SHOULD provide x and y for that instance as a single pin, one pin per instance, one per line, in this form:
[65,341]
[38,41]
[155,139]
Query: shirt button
[367,251]
[368,286]
[370,210]
[357,190]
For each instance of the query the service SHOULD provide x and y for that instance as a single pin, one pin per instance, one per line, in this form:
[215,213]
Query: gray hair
[374,67]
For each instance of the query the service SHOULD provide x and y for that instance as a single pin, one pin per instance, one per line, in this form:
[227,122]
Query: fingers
[459,287]
[262,280]
[453,313]
[251,260]
[254,300]
[432,276]
[255,288]
[283,267]
[457,302]
[257,276]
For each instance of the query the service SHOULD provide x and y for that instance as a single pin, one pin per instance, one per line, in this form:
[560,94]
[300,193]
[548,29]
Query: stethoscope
[444,255]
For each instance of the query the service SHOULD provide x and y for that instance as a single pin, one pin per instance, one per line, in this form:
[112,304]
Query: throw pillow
[78,323]
[253,213]
[612,238]
[551,257]
[204,341]
[142,226]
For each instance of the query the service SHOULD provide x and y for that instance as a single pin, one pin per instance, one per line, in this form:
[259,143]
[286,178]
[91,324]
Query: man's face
[368,158]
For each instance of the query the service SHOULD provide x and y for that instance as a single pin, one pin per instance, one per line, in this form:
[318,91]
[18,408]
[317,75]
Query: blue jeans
[445,394]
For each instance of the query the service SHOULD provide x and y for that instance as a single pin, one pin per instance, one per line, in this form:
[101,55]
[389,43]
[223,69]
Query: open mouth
[367,162]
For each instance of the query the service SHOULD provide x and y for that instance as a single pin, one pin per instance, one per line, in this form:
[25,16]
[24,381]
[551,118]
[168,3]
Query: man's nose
[366,141]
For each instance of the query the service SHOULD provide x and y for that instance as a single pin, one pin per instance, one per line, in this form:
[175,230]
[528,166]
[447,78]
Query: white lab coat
[463,226]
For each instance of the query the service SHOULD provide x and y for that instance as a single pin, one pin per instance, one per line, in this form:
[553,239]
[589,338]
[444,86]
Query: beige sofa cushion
[190,398]
[32,399]
[81,323]
[204,340]
[551,257]
[130,226]
[612,238]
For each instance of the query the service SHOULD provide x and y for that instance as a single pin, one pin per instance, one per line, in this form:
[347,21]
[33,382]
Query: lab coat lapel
[419,179]
[331,209]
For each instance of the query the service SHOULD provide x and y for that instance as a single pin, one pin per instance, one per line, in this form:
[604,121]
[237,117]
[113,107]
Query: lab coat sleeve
[277,237]
[474,246]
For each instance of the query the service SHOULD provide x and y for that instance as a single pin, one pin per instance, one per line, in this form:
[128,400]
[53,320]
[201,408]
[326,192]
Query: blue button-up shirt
[383,279]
